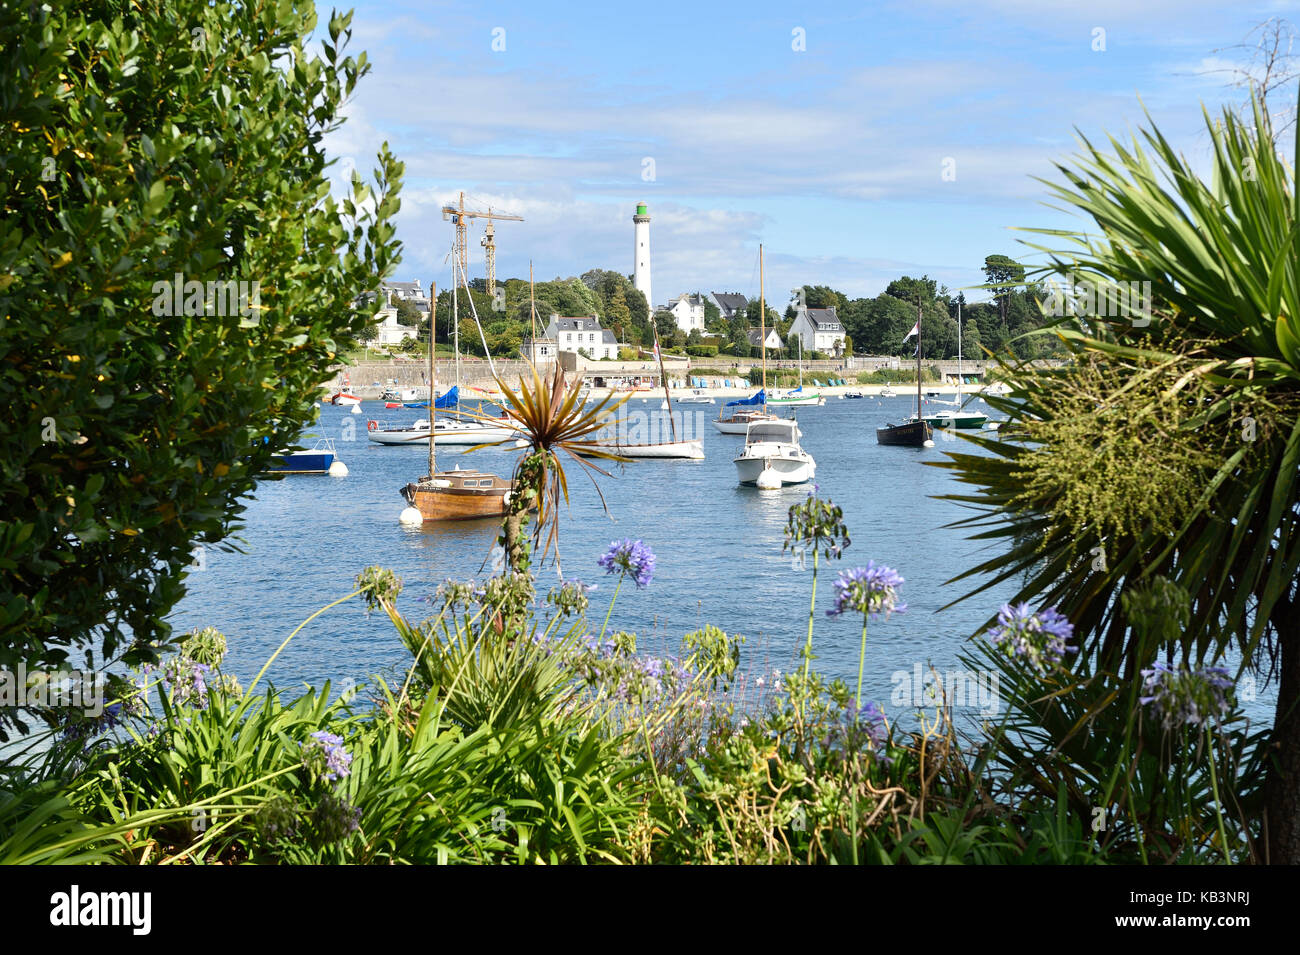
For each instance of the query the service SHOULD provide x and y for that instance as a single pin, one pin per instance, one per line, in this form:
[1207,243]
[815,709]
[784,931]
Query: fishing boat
[318,460]
[917,432]
[454,495]
[957,418]
[773,457]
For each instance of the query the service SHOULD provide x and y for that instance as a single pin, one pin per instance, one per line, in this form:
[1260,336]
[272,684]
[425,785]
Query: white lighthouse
[641,254]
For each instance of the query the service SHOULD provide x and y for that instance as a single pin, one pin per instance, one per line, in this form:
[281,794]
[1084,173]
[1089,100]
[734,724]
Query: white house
[585,333]
[773,339]
[730,304]
[688,310]
[819,329]
[390,332]
[539,351]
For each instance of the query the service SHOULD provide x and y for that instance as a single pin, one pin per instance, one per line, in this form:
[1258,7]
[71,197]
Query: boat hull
[968,422]
[741,427]
[456,501]
[914,434]
[791,470]
[305,462]
[687,450]
[447,436]
[803,400]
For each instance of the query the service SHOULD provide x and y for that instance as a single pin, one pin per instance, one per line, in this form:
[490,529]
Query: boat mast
[455,284]
[433,372]
[664,378]
[762,322]
[959,353]
[918,360]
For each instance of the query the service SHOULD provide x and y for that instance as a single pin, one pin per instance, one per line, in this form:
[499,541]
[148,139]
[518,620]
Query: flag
[916,330]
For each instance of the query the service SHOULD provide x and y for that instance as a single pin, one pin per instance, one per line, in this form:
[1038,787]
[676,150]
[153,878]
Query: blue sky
[832,156]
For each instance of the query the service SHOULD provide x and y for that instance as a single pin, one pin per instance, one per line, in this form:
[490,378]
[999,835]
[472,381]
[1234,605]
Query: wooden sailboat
[738,422]
[916,433]
[454,495]
[957,418]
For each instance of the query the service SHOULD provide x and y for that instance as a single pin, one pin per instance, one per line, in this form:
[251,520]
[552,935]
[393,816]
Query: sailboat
[772,456]
[917,432]
[456,495]
[968,420]
[796,396]
[753,408]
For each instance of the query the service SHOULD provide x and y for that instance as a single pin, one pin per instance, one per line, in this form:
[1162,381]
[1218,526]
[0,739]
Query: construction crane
[460,216]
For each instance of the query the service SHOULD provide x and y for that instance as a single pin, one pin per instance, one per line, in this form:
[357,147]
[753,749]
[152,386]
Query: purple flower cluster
[1041,638]
[186,682]
[325,754]
[629,557]
[870,590]
[1182,697]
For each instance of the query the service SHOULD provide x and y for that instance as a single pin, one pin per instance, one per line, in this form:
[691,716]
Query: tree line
[873,326]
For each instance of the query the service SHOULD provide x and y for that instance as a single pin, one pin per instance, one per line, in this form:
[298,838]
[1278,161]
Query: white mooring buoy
[927,444]
[356,409]
[410,515]
[338,469]
[768,480]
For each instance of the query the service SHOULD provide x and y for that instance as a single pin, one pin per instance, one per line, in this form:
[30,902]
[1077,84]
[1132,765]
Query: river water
[718,550]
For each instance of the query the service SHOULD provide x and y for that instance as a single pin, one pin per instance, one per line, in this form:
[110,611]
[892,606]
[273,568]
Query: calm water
[718,549]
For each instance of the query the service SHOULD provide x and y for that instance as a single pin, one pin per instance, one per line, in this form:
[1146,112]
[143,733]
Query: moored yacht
[772,455]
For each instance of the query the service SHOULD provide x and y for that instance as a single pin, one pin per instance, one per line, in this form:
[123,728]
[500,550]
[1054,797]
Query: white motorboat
[772,454]
[405,394]
[887,392]
[696,396]
[449,432]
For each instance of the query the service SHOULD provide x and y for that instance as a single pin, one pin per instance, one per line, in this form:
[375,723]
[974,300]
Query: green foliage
[702,351]
[163,140]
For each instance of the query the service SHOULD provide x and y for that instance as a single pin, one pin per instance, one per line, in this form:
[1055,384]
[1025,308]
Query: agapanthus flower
[1182,697]
[1041,638]
[335,818]
[870,590]
[629,557]
[326,755]
[871,719]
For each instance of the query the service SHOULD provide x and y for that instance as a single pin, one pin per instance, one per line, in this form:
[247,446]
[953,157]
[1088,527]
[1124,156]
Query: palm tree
[1170,446]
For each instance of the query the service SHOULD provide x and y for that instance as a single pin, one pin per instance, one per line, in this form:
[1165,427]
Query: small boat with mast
[797,396]
[917,432]
[456,495]
[753,408]
[677,448]
[957,418]
[772,456]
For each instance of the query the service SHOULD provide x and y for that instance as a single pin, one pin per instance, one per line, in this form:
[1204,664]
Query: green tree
[145,141]
[407,313]
[1003,274]
[617,315]
[712,314]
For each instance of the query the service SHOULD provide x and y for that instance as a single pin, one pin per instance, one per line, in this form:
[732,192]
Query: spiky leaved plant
[554,421]
[1171,446]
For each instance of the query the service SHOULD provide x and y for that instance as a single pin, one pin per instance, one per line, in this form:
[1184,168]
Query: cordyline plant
[1207,387]
[175,283]
[554,421]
